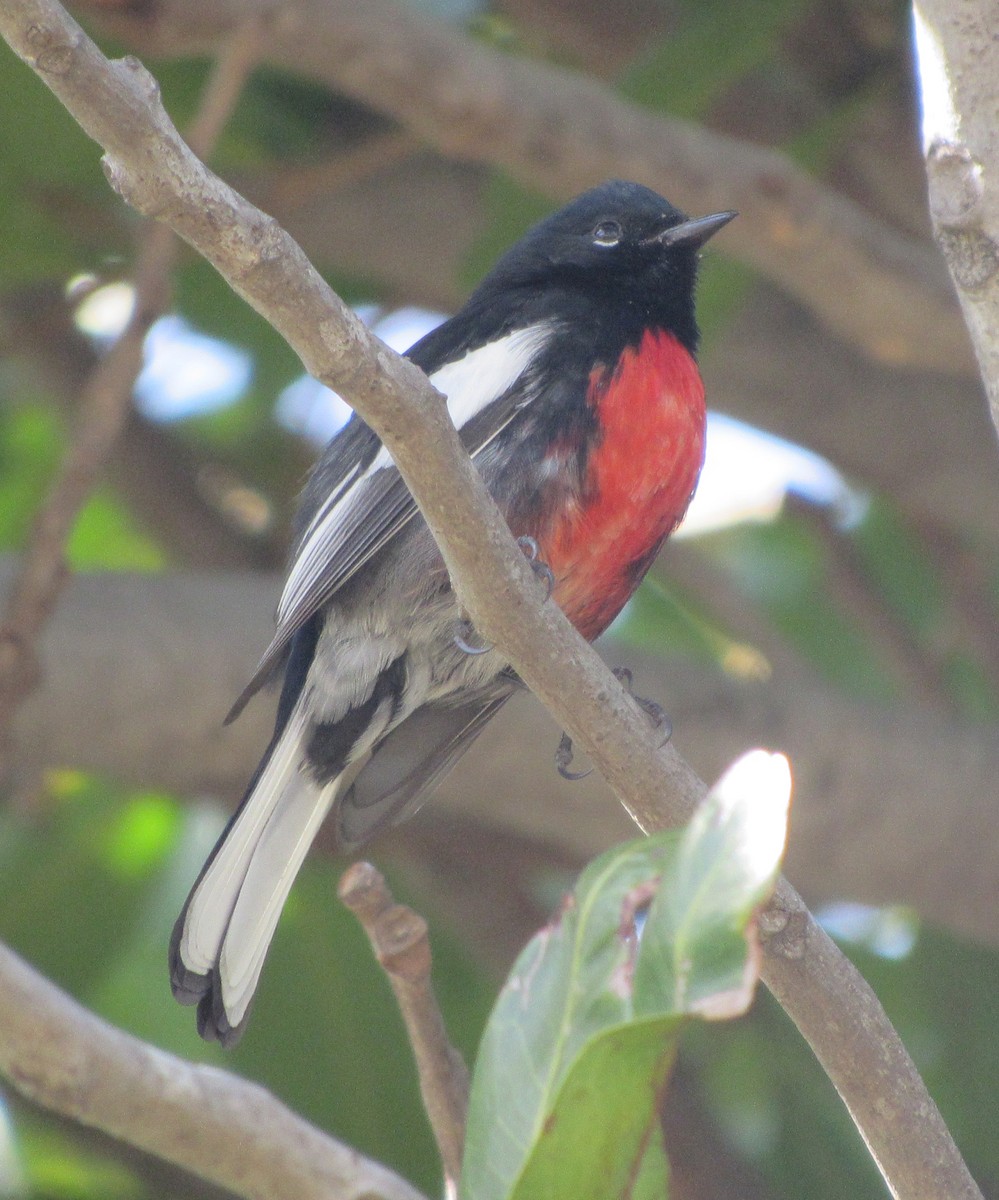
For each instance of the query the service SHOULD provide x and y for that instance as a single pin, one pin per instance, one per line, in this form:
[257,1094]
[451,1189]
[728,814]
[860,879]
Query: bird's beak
[694,232]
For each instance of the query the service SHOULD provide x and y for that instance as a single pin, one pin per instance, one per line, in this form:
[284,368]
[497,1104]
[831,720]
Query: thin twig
[233,66]
[117,104]
[399,939]
[104,404]
[225,1129]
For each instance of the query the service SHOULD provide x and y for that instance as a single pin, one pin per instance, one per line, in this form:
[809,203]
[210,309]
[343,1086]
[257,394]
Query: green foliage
[62,1169]
[772,1102]
[716,43]
[57,214]
[30,447]
[104,535]
[782,568]
[572,1066]
[89,893]
[48,201]
[899,565]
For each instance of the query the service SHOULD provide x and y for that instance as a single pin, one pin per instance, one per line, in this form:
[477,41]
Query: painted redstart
[570,375]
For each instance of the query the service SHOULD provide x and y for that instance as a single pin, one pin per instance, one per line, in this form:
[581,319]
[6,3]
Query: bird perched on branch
[570,375]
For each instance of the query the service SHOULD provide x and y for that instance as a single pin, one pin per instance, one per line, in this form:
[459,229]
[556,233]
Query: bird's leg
[463,627]
[655,712]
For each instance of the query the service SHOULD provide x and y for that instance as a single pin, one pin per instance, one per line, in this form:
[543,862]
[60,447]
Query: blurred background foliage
[93,874]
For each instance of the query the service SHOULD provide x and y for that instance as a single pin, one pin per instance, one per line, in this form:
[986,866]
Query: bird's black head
[619,248]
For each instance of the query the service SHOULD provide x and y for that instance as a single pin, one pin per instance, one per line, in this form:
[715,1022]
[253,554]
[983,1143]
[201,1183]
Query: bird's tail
[222,935]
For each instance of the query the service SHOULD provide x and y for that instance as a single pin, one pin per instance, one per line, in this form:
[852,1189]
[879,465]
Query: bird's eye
[607,233]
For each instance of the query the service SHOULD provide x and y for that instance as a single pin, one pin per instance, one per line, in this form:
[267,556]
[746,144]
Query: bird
[570,374]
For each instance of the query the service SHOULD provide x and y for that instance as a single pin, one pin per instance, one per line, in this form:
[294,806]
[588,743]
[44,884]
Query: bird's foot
[540,568]
[563,760]
[463,628]
[656,713]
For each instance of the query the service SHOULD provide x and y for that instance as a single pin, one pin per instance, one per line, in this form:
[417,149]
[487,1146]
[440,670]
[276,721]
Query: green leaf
[560,993]
[602,1138]
[575,1056]
[698,953]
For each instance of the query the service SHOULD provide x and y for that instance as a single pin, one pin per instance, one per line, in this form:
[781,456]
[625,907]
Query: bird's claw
[655,711]
[462,627]
[540,568]
[563,757]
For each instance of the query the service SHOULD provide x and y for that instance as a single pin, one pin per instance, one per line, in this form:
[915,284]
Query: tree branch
[117,104]
[225,1129]
[958,53]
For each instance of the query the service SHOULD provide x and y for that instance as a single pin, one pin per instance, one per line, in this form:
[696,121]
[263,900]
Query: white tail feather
[274,862]
[215,899]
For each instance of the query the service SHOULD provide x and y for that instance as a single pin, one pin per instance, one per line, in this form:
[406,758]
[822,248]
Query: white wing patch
[477,379]
[471,384]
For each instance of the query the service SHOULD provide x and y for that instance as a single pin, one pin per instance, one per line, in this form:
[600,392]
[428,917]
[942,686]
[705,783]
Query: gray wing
[408,764]
[352,511]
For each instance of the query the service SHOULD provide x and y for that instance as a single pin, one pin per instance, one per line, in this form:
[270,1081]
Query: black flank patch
[330,745]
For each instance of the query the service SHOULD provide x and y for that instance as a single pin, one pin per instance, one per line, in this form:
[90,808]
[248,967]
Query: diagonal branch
[167,652]
[221,1127]
[117,104]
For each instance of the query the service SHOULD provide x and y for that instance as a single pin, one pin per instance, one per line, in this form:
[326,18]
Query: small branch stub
[399,939]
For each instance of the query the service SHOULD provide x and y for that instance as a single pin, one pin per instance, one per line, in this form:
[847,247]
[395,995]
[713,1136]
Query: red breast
[639,479]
